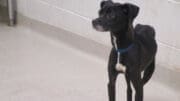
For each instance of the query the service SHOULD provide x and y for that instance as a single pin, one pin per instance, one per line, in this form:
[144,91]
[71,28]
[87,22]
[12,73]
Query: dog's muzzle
[98,26]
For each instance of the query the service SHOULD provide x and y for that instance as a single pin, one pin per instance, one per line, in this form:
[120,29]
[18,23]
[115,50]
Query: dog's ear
[106,3]
[131,10]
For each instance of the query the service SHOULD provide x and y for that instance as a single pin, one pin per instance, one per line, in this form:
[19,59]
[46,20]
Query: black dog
[133,51]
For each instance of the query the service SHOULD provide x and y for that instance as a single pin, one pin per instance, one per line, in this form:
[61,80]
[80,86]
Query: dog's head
[115,16]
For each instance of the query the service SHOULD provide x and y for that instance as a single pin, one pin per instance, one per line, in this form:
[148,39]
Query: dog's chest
[119,66]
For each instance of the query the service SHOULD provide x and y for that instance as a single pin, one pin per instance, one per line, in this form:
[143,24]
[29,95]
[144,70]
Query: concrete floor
[34,67]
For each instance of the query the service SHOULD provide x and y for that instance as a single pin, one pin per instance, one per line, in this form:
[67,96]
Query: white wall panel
[76,16]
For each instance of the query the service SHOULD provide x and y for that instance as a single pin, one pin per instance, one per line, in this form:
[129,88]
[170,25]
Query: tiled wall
[76,15]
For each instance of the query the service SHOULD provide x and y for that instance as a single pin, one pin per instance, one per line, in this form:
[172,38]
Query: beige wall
[76,16]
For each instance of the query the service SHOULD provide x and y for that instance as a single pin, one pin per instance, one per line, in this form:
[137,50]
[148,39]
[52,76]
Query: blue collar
[123,50]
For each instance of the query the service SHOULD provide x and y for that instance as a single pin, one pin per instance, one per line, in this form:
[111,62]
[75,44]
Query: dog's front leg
[112,87]
[112,73]
[129,89]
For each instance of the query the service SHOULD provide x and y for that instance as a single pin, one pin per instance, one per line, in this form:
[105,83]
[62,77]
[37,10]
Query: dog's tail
[148,72]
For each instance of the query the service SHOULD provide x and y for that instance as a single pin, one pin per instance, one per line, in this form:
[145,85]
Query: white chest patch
[120,68]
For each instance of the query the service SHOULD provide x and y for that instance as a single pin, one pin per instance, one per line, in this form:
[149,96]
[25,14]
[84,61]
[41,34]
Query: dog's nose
[95,22]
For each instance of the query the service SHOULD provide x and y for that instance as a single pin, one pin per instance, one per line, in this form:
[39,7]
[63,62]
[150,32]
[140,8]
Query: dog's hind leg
[138,85]
[148,72]
[129,89]
[135,78]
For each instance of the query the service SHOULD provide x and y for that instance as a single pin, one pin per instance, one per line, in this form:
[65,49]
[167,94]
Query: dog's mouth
[100,28]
